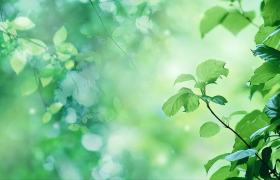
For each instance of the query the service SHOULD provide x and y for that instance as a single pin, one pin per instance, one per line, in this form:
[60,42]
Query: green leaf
[46,117]
[31,46]
[84,119]
[237,113]
[271,13]
[18,61]
[258,88]
[272,82]
[267,53]
[211,162]
[240,154]
[117,103]
[264,34]
[211,19]
[55,107]
[272,107]
[89,56]
[210,70]
[209,129]
[250,168]
[272,34]
[22,23]
[174,103]
[48,71]
[74,127]
[67,48]
[60,36]
[235,22]
[264,73]
[84,129]
[266,156]
[200,85]
[191,103]
[184,77]
[258,132]
[221,173]
[29,86]
[216,99]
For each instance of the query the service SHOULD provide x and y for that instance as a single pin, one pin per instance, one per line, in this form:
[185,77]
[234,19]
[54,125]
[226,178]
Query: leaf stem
[227,126]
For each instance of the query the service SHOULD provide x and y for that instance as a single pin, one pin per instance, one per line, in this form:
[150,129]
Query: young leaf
[29,86]
[48,71]
[191,103]
[184,77]
[23,23]
[60,36]
[46,117]
[31,46]
[271,13]
[174,103]
[213,161]
[272,107]
[240,154]
[209,129]
[84,129]
[210,70]
[267,53]
[18,61]
[55,107]
[235,22]
[264,73]
[237,113]
[211,19]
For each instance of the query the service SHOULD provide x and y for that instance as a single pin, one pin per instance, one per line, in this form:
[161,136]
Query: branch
[227,126]
[110,35]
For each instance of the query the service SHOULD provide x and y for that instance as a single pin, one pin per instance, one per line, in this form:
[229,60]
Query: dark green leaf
[209,129]
[267,53]
[250,168]
[219,100]
[211,19]
[271,13]
[240,154]
[184,77]
[213,161]
[264,171]
[210,70]
[265,72]
[272,107]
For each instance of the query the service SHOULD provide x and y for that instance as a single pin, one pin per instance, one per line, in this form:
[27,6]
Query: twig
[271,170]
[241,11]
[111,36]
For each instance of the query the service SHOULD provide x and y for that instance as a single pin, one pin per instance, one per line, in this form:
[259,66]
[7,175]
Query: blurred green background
[162,39]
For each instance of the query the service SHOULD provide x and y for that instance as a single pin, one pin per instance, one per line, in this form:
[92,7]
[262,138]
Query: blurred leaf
[55,107]
[235,22]
[267,53]
[31,46]
[23,23]
[60,36]
[46,117]
[221,173]
[271,13]
[209,129]
[18,61]
[117,103]
[67,48]
[240,154]
[210,70]
[263,73]
[74,127]
[212,17]
[237,113]
[84,119]
[29,86]
[84,129]
[48,71]
[184,77]
[263,34]
[46,81]
[213,161]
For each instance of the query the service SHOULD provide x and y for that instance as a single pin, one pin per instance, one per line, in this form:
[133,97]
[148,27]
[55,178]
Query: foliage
[256,132]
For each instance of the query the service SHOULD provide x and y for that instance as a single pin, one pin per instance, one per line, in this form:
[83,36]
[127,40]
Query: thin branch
[39,84]
[271,170]
[110,35]
[241,11]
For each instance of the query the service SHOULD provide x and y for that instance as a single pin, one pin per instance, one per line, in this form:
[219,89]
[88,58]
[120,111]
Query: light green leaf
[55,107]
[47,57]
[210,70]
[200,85]
[272,82]
[46,117]
[23,23]
[48,71]
[60,36]
[184,77]
[264,33]
[263,73]
[28,86]
[237,113]
[191,103]
[67,48]
[240,154]
[118,31]
[174,103]
[271,13]
[18,61]
[211,19]
[31,46]
[74,127]
[117,103]
[221,173]
[84,129]
[209,129]
[211,162]
[267,53]
[63,57]
[235,22]
[258,132]
[84,119]
[46,81]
